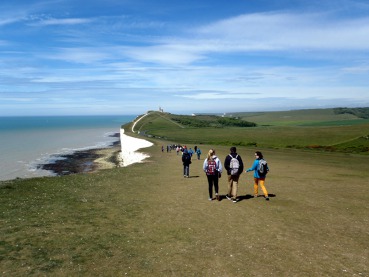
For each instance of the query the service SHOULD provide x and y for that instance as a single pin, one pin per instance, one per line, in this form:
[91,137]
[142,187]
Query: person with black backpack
[186,160]
[234,166]
[213,169]
[261,169]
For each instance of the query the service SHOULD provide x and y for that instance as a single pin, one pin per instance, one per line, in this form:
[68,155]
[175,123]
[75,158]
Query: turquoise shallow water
[26,142]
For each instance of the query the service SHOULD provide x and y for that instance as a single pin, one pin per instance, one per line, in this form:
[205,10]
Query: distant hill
[359,112]
[308,117]
[335,130]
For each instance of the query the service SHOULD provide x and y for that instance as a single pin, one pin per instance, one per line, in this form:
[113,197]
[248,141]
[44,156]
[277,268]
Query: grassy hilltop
[147,220]
[325,129]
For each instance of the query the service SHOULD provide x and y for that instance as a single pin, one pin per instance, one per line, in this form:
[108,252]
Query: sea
[26,142]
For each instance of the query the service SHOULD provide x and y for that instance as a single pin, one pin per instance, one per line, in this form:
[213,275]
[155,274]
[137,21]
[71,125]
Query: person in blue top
[198,152]
[258,178]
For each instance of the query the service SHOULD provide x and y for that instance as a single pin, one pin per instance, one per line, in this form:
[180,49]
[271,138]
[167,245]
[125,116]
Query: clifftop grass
[297,129]
[147,220]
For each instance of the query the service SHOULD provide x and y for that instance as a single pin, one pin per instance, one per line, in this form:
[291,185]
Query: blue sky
[74,57]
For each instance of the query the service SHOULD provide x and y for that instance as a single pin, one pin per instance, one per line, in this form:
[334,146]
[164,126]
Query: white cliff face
[129,147]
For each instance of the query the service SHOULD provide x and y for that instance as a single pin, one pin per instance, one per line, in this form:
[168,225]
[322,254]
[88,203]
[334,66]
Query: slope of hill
[303,129]
[312,117]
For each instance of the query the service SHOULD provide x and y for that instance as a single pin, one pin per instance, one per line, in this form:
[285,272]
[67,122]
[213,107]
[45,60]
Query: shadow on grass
[245,197]
[249,196]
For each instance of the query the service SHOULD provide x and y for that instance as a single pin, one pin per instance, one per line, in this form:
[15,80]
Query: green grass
[326,117]
[311,136]
[147,220]
[336,123]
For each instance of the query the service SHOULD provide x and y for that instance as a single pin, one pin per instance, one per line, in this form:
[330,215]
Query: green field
[325,117]
[299,130]
[147,220]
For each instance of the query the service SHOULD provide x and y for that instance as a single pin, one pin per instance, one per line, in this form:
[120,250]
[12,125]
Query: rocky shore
[120,154]
[85,161]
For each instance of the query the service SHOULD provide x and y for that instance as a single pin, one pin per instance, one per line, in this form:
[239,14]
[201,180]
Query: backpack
[186,158]
[212,166]
[262,168]
[234,165]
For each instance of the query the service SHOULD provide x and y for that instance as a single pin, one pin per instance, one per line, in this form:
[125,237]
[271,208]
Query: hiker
[234,166]
[186,160]
[213,169]
[198,152]
[190,151]
[259,178]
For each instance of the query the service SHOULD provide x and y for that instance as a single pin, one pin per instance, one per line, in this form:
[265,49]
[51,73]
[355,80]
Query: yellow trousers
[257,182]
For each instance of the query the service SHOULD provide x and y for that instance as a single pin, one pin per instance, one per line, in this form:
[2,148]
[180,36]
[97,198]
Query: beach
[120,154]
[27,143]
[84,161]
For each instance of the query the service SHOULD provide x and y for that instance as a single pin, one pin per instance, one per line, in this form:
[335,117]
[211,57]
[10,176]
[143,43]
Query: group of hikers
[181,149]
[234,167]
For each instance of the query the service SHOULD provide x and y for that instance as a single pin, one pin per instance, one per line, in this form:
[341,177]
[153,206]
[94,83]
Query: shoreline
[83,161]
[119,154]
[129,146]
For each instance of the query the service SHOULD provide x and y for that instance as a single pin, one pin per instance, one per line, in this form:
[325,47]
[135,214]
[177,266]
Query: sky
[126,57]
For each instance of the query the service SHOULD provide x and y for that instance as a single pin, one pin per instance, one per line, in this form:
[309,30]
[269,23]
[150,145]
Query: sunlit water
[26,142]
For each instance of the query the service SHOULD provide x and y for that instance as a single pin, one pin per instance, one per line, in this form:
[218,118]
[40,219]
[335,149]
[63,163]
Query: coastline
[129,146]
[119,154]
[83,161]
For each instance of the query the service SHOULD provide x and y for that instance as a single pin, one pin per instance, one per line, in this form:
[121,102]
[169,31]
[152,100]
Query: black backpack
[186,158]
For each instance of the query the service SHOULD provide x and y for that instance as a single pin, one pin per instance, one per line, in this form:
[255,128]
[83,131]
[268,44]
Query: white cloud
[6,21]
[283,31]
[64,21]
[81,55]
[250,33]
[141,59]
[163,54]
[15,99]
[357,69]
[322,93]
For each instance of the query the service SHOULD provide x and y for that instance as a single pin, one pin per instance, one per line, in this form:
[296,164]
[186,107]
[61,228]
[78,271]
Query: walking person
[198,152]
[259,175]
[234,166]
[213,169]
[186,160]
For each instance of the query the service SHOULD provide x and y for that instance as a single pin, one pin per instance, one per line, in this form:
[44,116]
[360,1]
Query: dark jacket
[186,158]
[228,160]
